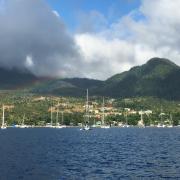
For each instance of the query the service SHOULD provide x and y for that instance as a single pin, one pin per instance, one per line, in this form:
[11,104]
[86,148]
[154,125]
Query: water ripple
[116,153]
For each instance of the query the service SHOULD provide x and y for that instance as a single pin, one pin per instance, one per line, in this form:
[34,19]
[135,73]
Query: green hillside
[66,87]
[158,78]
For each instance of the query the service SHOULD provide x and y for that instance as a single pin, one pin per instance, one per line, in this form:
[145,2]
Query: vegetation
[36,109]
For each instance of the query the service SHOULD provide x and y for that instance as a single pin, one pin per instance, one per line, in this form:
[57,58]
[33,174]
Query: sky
[71,10]
[87,38]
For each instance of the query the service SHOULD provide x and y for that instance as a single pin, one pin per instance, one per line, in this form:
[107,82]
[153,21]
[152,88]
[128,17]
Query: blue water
[116,153]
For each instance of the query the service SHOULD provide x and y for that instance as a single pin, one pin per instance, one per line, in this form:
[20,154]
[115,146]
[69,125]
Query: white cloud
[29,61]
[150,31]
[56,13]
[103,56]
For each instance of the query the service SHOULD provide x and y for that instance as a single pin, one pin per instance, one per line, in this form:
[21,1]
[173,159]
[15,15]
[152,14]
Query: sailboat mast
[3,116]
[62,118]
[171,119]
[51,115]
[57,116]
[87,107]
[161,115]
[141,115]
[126,118]
[103,112]
[23,119]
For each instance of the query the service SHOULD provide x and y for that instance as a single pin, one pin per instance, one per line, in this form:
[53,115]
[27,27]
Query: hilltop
[158,77]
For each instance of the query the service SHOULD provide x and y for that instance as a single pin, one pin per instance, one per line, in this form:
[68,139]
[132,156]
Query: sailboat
[86,127]
[171,122]
[126,125]
[50,125]
[3,126]
[161,125]
[62,120]
[141,122]
[23,125]
[57,123]
[94,124]
[57,117]
[103,125]
[151,123]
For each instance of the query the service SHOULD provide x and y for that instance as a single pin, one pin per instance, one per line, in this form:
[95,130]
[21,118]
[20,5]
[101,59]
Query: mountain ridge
[146,80]
[158,78]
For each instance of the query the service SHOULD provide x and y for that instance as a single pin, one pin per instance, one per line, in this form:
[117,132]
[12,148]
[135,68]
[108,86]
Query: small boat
[23,126]
[105,126]
[161,125]
[48,125]
[86,128]
[151,125]
[169,126]
[125,126]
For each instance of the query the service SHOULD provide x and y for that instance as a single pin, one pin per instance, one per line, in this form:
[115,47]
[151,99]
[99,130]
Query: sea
[71,154]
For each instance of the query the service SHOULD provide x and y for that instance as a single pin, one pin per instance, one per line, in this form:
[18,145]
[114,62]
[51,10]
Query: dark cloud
[33,36]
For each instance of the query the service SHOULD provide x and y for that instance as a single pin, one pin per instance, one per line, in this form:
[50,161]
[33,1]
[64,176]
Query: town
[41,111]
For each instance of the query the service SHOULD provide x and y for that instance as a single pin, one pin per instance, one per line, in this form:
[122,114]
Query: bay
[68,153]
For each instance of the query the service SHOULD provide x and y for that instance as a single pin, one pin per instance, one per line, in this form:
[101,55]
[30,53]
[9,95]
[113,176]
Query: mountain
[158,77]
[16,79]
[67,86]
